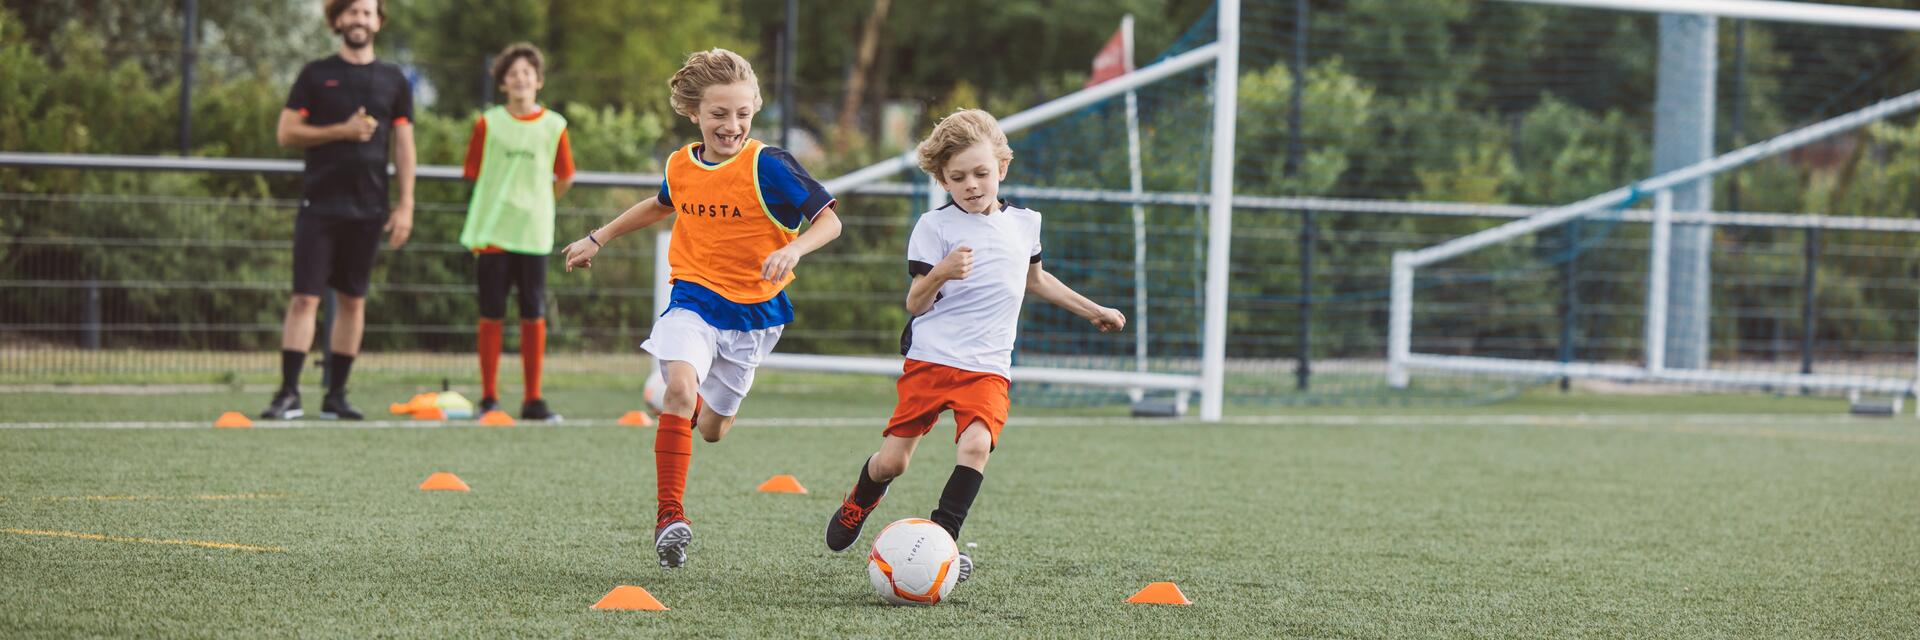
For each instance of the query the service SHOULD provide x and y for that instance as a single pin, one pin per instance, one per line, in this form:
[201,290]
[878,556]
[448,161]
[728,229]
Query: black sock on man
[338,367]
[868,491]
[290,363]
[962,486]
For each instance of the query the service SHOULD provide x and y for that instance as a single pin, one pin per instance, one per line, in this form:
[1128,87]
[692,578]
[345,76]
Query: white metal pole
[1198,57]
[1138,185]
[1658,258]
[1400,321]
[1226,81]
[1830,14]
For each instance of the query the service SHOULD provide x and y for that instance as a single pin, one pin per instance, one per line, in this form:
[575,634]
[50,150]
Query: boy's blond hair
[958,132]
[709,68]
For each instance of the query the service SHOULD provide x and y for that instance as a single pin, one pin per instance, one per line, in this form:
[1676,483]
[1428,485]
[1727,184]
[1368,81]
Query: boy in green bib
[520,163]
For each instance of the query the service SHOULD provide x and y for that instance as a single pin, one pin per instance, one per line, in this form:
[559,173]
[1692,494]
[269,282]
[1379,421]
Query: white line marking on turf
[1360,420]
[107,538]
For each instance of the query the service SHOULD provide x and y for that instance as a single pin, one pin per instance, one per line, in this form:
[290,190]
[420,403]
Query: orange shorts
[926,389]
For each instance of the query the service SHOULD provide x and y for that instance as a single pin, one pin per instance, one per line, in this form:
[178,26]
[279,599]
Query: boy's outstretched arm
[639,216]
[1052,290]
[825,227]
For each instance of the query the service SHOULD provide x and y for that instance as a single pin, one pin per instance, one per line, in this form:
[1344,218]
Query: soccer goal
[1703,298]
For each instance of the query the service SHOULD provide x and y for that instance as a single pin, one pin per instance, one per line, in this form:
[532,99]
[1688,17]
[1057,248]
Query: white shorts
[722,359]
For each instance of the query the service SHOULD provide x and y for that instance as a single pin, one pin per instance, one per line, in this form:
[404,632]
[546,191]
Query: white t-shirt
[972,322]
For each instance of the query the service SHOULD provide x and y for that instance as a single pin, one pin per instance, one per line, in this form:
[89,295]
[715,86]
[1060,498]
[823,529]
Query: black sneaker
[487,404]
[671,537]
[965,566]
[536,409]
[335,407]
[285,406]
[844,527]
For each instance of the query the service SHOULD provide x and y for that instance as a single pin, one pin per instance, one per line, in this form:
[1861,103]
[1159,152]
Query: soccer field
[1547,516]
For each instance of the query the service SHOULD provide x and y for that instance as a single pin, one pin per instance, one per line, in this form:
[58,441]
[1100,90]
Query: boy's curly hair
[955,134]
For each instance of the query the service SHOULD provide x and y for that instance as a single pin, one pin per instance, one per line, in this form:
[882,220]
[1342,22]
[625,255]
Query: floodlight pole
[1226,80]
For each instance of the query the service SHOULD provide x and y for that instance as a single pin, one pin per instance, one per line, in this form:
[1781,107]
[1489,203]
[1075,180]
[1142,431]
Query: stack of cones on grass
[629,598]
[443,481]
[1160,593]
[782,484]
[434,406]
[232,420]
[636,419]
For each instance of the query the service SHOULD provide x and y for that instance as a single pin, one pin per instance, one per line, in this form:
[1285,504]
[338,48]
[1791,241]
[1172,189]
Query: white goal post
[1401,359]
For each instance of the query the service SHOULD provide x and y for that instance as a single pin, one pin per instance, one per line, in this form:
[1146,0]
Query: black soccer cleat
[844,527]
[487,404]
[536,409]
[285,406]
[335,407]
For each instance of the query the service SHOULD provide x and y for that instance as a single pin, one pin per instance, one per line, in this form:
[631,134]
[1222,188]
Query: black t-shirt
[347,178]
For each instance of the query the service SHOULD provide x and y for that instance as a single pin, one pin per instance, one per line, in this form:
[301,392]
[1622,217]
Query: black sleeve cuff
[1034,260]
[918,268]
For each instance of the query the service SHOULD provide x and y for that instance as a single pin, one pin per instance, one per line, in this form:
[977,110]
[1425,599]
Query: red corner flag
[1113,60]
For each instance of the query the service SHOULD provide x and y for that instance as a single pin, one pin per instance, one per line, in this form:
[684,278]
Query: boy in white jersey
[972,261]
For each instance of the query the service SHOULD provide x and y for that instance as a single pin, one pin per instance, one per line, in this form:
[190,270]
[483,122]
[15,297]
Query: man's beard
[365,40]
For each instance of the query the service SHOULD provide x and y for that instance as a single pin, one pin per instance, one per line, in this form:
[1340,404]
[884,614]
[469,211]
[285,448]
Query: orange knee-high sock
[672,454]
[489,347]
[533,350]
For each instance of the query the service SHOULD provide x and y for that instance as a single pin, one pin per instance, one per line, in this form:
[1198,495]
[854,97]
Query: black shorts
[334,252]
[526,274]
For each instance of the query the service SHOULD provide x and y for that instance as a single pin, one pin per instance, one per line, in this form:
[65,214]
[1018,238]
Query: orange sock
[672,454]
[489,347]
[533,350]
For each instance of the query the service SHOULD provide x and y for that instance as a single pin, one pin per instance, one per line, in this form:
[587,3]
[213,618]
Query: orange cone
[629,598]
[782,484]
[416,403]
[232,420]
[1160,593]
[636,419]
[496,418]
[430,413]
[443,481]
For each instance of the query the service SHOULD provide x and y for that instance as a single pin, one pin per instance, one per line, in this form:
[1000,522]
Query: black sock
[290,363]
[867,492]
[338,366]
[962,486]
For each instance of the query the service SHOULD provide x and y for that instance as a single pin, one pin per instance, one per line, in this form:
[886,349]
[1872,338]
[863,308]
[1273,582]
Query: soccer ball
[913,561]
[655,392]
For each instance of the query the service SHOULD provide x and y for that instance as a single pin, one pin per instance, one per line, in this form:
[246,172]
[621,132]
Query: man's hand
[1108,319]
[580,253]
[956,266]
[779,264]
[399,225]
[359,128]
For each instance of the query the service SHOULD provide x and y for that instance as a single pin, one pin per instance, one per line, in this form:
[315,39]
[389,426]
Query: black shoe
[487,404]
[335,407]
[285,406]
[965,566]
[844,527]
[536,409]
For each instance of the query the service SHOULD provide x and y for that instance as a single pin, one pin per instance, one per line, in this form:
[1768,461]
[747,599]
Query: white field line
[1359,420]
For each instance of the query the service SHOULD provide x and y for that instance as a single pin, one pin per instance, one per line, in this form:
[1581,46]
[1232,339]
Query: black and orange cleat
[844,527]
